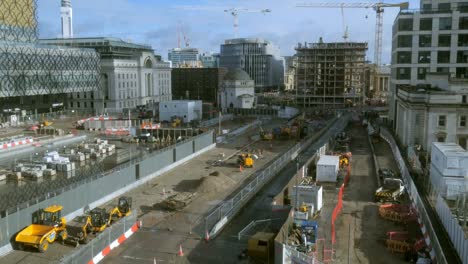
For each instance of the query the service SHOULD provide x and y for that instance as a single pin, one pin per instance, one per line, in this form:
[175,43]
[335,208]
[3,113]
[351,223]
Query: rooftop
[95,42]
[450,149]
[332,45]
[237,75]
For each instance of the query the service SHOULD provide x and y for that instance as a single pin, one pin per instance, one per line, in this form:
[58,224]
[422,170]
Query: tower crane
[235,14]
[378,8]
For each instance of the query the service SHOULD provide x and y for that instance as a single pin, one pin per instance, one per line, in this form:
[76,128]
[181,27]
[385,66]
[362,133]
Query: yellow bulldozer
[245,160]
[48,226]
[265,135]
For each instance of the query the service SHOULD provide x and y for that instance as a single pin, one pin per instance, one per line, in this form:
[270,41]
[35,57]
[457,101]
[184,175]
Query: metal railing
[31,194]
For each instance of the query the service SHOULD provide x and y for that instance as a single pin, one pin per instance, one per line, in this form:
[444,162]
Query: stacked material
[33,171]
[56,162]
[97,148]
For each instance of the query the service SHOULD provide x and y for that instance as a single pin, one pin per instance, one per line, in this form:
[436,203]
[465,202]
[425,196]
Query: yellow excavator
[265,135]
[48,226]
[102,218]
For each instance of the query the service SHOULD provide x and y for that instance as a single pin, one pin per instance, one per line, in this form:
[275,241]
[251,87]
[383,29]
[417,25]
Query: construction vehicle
[391,190]
[245,160]
[265,135]
[102,218]
[176,122]
[78,230]
[45,123]
[345,159]
[48,226]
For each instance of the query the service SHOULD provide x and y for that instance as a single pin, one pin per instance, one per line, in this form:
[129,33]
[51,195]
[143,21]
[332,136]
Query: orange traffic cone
[240,168]
[207,236]
[181,253]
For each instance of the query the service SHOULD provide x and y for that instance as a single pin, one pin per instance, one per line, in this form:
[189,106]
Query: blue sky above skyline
[155,22]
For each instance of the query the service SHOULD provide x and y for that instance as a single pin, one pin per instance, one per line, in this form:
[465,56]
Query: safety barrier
[436,252]
[103,243]
[219,217]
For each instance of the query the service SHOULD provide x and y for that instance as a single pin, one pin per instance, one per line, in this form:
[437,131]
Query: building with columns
[131,75]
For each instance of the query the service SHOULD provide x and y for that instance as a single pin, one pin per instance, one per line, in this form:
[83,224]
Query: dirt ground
[175,228]
[360,232]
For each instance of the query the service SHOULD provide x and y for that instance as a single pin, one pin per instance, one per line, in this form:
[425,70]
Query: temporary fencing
[336,211]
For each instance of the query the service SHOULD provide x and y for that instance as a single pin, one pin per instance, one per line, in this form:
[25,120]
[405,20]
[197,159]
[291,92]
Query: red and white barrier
[16,142]
[96,118]
[116,243]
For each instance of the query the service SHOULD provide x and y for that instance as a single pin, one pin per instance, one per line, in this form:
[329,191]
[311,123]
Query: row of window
[127,104]
[445,23]
[85,95]
[442,121]
[404,73]
[85,104]
[127,84]
[425,57]
[126,76]
[425,41]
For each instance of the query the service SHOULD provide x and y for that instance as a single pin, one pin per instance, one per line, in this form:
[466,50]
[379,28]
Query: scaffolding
[330,74]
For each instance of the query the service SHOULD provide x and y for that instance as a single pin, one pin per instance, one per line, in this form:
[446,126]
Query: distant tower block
[67,19]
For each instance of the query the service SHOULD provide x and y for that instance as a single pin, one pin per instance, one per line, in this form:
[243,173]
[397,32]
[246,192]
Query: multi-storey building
[38,77]
[131,75]
[436,112]
[330,74]
[183,57]
[209,60]
[432,39]
[259,58]
[197,83]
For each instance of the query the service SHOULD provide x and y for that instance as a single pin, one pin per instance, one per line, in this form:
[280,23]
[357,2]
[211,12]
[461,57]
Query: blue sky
[155,22]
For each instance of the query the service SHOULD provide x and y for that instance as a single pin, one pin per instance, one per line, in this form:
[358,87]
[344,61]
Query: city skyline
[155,23]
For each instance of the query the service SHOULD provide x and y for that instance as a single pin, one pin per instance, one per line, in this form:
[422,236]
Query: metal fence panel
[184,150]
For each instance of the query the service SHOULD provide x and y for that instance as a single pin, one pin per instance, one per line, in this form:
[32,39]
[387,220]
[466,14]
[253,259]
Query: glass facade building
[34,76]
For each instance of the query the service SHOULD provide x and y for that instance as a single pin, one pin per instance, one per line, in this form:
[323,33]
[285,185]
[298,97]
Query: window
[422,73]
[78,104]
[77,95]
[71,104]
[424,57]
[461,72]
[444,7]
[464,99]
[462,56]
[462,121]
[427,7]
[444,40]
[442,120]
[84,95]
[404,57]
[445,23]
[403,73]
[443,69]
[405,41]
[425,40]
[92,105]
[463,7]
[118,75]
[440,138]
[405,24]
[119,85]
[463,23]
[463,40]
[85,105]
[425,24]
[443,57]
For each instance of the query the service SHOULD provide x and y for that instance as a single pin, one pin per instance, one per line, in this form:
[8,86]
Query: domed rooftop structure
[237,75]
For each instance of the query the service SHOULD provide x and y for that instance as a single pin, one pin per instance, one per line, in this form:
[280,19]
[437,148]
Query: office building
[237,91]
[131,75]
[209,60]
[184,57]
[66,15]
[432,39]
[36,77]
[330,74]
[258,57]
[197,83]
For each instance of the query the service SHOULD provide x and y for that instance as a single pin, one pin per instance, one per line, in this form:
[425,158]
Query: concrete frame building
[330,74]
[35,77]
[131,75]
[258,57]
[432,39]
[433,113]
[66,15]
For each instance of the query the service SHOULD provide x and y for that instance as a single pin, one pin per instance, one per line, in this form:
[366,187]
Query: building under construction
[330,74]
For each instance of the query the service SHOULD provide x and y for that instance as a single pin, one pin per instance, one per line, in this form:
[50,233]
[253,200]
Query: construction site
[51,170]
